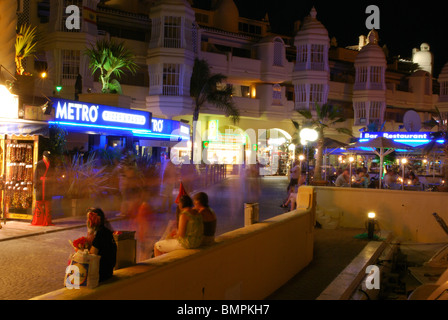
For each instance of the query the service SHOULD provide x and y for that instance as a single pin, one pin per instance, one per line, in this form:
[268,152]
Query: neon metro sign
[86,114]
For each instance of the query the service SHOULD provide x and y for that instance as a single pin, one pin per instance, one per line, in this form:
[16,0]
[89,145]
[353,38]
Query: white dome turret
[423,57]
[369,90]
[312,30]
[372,53]
[226,16]
[311,74]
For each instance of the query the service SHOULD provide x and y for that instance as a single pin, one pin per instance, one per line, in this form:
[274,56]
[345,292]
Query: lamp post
[403,162]
[308,135]
[351,159]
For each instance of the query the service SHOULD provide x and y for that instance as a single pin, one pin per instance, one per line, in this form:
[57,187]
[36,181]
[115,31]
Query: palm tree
[204,89]
[326,116]
[25,45]
[110,58]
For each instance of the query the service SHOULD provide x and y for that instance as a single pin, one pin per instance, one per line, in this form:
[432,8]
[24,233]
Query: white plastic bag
[82,271]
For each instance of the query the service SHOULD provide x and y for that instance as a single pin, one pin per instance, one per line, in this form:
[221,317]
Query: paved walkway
[333,251]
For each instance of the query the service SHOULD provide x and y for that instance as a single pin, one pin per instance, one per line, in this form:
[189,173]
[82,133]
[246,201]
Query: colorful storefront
[92,126]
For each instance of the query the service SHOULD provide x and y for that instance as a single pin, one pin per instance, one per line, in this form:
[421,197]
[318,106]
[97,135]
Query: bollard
[251,213]
[126,249]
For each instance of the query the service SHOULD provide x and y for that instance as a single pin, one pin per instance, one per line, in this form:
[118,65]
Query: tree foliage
[110,58]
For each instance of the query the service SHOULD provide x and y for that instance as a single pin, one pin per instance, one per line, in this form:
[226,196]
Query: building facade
[273,76]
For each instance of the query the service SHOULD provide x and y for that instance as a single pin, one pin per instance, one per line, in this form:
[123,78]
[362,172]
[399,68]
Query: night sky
[404,25]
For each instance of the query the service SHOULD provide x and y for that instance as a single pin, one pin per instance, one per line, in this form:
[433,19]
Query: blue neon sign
[409,138]
[87,114]
[167,129]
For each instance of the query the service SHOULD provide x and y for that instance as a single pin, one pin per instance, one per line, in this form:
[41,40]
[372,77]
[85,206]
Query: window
[172,32]
[278,53]
[302,53]
[376,77]
[300,93]
[70,64]
[316,93]
[171,79]
[245,91]
[362,75]
[360,113]
[302,57]
[276,94]
[444,88]
[317,57]
[375,111]
[249,28]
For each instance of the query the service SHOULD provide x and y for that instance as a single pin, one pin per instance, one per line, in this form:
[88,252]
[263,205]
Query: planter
[109,99]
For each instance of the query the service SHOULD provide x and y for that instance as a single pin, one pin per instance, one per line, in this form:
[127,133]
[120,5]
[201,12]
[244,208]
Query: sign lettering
[81,113]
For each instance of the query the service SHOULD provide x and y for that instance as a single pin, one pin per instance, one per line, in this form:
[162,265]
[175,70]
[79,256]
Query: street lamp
[308,135]
[351,159]
[403,162]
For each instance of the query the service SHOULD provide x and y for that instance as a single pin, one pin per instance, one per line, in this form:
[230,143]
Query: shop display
[18,154]
[19,176]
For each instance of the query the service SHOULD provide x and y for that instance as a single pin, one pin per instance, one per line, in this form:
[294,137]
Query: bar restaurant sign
[410,138]
[97,115]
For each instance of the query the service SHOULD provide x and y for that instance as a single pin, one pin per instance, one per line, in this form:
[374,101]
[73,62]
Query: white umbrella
[380,143]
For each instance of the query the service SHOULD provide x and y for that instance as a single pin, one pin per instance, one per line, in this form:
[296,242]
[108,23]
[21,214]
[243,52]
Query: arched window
[278,52]
[276,94]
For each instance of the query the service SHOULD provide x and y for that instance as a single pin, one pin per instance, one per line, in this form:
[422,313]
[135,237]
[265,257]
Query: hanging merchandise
[18,155]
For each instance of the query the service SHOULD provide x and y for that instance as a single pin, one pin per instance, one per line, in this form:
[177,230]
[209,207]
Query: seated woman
[200,201]
[189,233]
[361,181]
[103,242]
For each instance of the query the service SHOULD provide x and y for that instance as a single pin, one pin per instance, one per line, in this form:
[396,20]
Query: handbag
[82,271]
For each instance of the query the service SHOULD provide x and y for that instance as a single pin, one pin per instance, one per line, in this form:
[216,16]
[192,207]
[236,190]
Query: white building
[272,75]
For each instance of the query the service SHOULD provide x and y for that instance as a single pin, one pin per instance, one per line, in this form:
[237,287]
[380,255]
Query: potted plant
[110,59]
[82,181]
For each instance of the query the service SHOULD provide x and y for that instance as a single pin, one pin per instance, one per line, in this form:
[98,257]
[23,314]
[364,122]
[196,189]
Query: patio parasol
[385,146]
[330,146]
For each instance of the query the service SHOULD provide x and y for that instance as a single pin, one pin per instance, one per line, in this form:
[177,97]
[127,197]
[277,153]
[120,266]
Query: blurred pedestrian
[169,180]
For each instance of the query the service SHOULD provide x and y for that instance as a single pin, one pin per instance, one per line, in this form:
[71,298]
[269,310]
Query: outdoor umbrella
[330,146]
[385,146]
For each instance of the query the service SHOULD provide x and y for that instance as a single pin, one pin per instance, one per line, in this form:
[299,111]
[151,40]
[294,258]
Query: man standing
[295,174]
[42,212]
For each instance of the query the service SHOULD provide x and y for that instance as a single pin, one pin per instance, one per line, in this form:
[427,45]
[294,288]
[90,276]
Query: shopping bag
[82,271]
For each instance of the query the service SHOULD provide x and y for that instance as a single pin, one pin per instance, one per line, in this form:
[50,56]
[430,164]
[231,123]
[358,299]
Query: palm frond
[110,58]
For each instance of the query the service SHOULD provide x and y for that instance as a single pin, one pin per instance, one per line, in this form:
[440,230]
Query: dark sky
[404,25]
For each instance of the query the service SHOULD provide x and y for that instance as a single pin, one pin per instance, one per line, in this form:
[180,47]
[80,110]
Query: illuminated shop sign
[170,129]
[87,114]
[410,138]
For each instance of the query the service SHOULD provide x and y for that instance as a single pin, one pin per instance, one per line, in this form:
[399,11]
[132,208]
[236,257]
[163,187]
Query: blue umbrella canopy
[385,146]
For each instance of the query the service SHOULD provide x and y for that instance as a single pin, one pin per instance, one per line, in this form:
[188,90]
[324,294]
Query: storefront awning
[24,127]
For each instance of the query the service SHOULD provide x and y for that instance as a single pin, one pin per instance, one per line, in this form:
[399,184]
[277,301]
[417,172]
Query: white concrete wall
[408,214]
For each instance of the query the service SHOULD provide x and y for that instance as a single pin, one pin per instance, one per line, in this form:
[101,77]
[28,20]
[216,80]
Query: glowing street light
[351,159]
[403,162]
